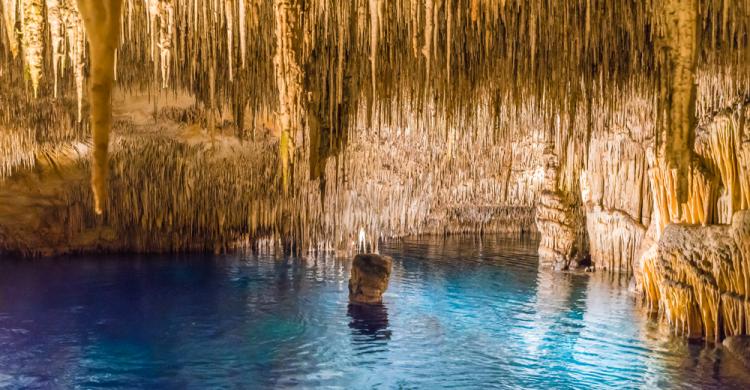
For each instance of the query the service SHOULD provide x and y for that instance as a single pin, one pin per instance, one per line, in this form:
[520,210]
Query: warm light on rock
[616,134]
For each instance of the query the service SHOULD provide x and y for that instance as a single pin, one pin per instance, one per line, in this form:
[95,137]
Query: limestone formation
[558,225]
[101,19]
[699,278]
[369,278]
[307,122]
[558,221]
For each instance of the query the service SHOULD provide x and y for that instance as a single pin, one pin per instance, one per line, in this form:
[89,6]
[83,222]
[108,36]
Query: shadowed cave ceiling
[162,125]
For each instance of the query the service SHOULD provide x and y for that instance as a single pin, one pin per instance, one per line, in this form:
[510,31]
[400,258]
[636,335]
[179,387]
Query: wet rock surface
[700,278]
[369,278]
[739,346]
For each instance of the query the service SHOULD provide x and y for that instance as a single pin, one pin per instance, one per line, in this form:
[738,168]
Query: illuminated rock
[701,280]
[558,221]
[369,278]
[393,118]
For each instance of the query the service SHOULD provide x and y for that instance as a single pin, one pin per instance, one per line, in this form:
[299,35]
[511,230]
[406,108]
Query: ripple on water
[460,312]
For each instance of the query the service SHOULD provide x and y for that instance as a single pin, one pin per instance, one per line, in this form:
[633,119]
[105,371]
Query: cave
[553,194]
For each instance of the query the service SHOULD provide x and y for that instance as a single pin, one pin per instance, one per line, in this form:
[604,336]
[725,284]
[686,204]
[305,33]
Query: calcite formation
[558,224]
[558,220]
[101,19]
[369,278]
[700,278]
[234,194]
[322,124]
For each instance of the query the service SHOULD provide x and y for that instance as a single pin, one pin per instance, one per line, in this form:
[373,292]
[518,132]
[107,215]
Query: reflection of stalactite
[102,21]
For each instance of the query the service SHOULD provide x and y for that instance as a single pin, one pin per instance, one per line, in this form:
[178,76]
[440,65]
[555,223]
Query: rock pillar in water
[369,278]
[557,220]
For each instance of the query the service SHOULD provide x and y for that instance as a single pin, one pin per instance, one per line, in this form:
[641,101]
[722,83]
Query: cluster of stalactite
[700,281]
[444,54]
[615,190]
[392,183]
[696,276]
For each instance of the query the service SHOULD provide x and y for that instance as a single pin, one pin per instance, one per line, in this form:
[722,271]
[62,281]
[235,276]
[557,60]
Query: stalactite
[242,16]
[374,24]
[102,23]
[165,12]
[33,40]
[723,154]
[744,176]
[589,73]
[76,54]
[10,8]
[288,79]
[448,38]
[474,11]
[229,16]
[681,42]
[429,11]
[54,21]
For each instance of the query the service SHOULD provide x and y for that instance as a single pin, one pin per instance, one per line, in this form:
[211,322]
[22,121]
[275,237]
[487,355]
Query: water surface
[460,312]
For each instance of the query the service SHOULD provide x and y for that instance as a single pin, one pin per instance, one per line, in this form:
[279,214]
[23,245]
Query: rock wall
[616,194]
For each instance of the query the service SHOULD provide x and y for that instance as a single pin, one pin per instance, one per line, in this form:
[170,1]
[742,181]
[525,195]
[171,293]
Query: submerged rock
[369,278]
[739,346]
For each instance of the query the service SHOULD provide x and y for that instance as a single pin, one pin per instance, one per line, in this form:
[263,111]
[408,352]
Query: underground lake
[460,312]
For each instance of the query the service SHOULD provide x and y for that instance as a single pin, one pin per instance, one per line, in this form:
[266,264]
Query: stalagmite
[102,24]
[557,220]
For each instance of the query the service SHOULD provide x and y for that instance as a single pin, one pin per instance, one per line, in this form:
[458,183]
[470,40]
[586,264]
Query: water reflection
[459,313]
[368,322]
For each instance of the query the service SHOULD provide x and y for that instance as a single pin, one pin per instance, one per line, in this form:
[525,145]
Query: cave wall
[604,125]
[224,192]
[615,190]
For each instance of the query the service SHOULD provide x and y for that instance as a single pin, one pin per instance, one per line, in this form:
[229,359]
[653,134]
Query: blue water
[460,312]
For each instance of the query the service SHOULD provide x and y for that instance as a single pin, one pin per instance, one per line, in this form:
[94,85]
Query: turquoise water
[460,312]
